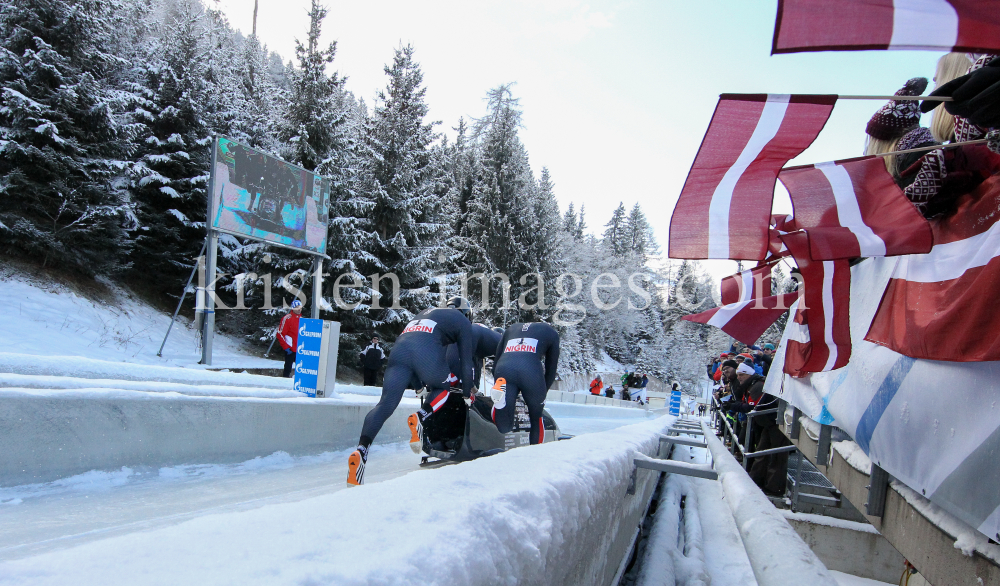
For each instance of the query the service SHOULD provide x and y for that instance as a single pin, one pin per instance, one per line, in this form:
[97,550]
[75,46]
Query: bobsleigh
[459,433]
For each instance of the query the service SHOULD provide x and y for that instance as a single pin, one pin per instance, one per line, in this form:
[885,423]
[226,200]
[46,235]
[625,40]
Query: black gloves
[976,96]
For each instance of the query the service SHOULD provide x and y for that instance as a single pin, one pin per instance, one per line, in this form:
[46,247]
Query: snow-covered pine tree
[464,165]
[500,208]
[169,179]
[639,233]
[544,251]
[258,110]
[690,345]
[569,220]
[581,225]
[60,147]
[616,238]
[406,214]
[315,124]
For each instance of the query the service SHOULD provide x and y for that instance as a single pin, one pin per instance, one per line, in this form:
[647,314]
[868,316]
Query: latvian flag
[822,340]
[746,312]
[724,208]
[855,25]
[942,305]
[756,282]
[853,208]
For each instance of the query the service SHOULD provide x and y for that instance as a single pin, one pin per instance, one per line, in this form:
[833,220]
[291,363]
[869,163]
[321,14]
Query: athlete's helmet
[461,304]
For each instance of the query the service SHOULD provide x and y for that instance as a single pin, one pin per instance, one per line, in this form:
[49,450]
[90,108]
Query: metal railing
[732,439]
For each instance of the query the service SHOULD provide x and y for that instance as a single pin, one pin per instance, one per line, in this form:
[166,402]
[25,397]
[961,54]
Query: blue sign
[307,356]
[675,403]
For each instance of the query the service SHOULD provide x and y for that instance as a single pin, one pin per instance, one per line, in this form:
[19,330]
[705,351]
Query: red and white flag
[857,25]
[746,320]
[724,208]
[941,305]
[824,310]
[854,208]
[756,281]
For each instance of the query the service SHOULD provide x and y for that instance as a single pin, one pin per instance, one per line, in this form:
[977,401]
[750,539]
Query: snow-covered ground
[50,319]
[283,521]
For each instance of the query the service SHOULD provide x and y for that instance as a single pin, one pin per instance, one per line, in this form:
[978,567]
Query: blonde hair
[949,67]
[878,146]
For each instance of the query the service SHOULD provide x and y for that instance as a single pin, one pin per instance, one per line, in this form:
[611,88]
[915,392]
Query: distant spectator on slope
[640,395]
[610,392]
[371,361]
[596,385]
[288,335]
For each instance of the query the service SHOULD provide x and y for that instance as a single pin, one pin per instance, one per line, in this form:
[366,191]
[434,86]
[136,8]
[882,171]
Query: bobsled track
[117,481]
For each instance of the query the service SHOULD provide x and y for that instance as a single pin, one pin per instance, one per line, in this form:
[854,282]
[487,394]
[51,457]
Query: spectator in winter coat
[596,385]
[640,395]
[288,335]
[766,357]
[768,472]
[371,361]
[610,392]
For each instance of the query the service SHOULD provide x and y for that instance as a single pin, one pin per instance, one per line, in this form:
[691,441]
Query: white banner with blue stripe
[933,425]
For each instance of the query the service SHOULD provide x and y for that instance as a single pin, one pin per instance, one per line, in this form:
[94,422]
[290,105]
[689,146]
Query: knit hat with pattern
[895,118]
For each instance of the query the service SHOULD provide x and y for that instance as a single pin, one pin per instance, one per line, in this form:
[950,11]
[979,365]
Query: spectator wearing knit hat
[893,122]
[936,180]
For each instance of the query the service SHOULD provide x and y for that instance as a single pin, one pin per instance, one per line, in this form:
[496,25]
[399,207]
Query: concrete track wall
[48,436]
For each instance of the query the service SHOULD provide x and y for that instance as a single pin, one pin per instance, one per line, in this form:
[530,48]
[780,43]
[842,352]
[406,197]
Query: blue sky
[616,95]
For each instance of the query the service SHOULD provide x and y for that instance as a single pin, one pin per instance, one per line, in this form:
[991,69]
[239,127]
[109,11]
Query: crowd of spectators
[739,378]
[633,387]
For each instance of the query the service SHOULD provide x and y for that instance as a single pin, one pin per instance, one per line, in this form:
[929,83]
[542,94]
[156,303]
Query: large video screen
[262,197]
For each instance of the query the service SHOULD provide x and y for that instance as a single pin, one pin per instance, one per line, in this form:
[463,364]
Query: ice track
[46,517]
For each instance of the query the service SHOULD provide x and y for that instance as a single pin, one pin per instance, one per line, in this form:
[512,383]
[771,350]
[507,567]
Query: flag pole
[902,98]
[934,147]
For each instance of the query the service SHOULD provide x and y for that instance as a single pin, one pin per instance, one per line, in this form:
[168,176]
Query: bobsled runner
[459,433]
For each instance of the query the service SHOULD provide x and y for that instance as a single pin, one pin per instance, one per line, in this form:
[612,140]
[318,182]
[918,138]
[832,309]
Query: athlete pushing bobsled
[420,354]
[518,368]
[485,341]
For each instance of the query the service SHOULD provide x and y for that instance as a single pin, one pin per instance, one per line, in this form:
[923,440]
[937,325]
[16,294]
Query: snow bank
[27,381]
[550,514]
[51,434]
[82,367]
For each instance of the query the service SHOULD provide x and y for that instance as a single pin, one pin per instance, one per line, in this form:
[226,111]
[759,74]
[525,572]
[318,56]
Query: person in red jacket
[288,335]
[596,385]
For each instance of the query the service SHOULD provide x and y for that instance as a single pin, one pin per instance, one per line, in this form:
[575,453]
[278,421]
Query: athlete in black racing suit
[486,341]
[419,353]
[518,368]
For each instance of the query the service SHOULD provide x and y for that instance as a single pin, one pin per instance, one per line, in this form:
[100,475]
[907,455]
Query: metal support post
[748,434]
[208,329]
[794,432]
[878,485]
[317,270]
[194,271]
[823,446]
